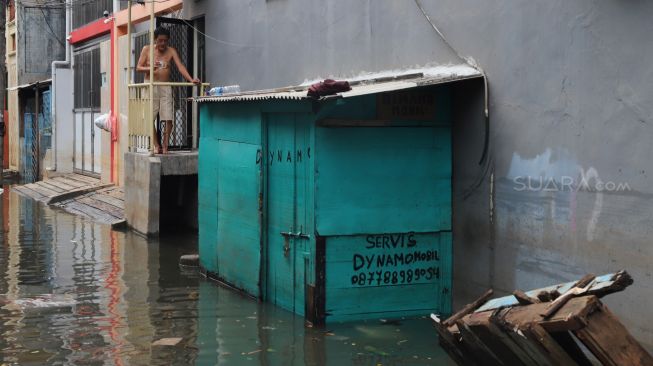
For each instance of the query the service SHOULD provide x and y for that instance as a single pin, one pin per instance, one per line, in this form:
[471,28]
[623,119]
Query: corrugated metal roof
[385,82]
[259,96]
[47,81]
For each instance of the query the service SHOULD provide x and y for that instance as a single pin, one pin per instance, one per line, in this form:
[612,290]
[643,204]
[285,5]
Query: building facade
[83,69]
[35,37]
[92,81]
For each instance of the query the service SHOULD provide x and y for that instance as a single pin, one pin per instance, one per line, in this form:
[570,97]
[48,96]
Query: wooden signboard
[406,105]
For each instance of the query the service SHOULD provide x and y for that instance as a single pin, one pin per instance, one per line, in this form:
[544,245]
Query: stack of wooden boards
[564,324]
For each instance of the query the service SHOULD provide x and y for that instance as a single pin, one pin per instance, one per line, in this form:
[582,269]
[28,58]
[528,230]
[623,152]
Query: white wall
[64,120]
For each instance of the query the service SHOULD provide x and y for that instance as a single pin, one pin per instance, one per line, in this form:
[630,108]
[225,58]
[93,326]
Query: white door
[88,81]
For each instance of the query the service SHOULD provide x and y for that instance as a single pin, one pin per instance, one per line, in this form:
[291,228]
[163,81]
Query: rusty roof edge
[435,81]
[407,84]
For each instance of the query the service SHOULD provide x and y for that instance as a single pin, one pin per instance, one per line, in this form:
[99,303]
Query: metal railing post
[151,114]
[141,127]
[130,78]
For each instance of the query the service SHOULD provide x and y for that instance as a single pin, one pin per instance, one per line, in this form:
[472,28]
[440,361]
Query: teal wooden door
[287,157]
[383,201]
[239,216]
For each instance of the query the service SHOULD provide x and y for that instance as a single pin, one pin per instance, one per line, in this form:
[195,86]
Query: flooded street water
[73,292]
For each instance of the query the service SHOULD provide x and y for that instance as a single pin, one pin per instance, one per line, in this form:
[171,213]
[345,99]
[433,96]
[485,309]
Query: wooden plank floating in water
[521,330]
[51,186]
[59,188]
[100,206]
[24,191]
[61,184]
[69,182]
[92,212]
[79,195]
[106,198]
[83,178]
[103,206]
[44,191]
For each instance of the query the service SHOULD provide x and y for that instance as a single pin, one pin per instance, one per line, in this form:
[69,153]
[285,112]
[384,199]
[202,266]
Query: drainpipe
[112,113]
[56,65]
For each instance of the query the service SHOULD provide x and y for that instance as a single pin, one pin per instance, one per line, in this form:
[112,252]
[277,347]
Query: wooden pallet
[572,328]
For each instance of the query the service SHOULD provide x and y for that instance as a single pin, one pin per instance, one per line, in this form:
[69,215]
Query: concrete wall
[145,200]
[63,98]
[570,99]
[289,41]
[41,40]
[142,187]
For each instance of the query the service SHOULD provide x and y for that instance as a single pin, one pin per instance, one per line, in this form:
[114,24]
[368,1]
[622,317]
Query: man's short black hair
[161,31]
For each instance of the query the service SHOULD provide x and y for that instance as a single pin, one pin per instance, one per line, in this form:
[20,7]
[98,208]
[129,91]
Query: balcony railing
[142,119]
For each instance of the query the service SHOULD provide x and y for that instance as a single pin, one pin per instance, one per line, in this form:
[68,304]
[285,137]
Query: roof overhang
[30,85]
[363,85]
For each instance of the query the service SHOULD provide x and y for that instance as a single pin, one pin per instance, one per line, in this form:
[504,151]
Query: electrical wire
[71,3]
[45,18]
[485,160]
[437,30]
[219,40]
[76,3]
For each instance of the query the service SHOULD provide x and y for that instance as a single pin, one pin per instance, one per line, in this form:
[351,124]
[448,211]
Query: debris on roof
[361,85]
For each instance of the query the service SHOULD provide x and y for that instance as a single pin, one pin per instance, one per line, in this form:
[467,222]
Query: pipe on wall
[113,78]
[56,65]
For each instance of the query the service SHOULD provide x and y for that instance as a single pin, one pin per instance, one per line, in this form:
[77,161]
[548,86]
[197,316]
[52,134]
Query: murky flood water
[75,292]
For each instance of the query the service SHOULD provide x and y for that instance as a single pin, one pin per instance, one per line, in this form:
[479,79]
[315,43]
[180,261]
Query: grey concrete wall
[63,98]
[288,41]
[142,186]
[41,40]
[143,195]
[571,102]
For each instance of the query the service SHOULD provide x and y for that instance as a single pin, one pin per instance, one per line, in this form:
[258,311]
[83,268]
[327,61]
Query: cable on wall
[486,147]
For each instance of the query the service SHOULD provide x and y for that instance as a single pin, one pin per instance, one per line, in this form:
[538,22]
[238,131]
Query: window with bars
[87,11]
[140,41]
[201,49]
[87,79]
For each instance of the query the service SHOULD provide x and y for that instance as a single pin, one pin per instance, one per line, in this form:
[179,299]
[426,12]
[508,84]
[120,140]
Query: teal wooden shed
[338,208]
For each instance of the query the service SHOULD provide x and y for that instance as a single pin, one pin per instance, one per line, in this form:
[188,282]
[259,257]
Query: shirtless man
[163,103]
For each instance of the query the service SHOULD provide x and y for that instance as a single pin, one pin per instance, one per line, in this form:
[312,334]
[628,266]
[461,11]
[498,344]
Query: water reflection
[74,292]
